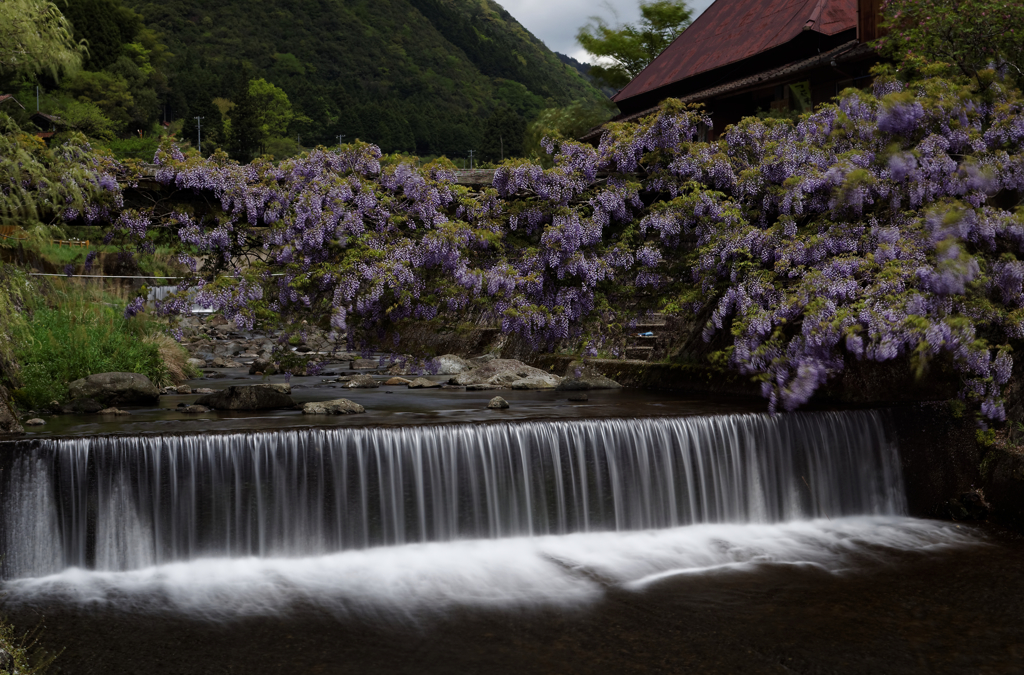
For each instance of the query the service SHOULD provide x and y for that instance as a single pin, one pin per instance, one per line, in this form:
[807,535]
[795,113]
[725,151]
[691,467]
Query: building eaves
[850,50]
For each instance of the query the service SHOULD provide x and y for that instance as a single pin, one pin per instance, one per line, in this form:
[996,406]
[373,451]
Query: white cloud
[557,21]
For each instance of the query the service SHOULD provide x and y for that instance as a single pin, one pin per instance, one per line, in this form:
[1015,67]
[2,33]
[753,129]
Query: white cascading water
[447,513]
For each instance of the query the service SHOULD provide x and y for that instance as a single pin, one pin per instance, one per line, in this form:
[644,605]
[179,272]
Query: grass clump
[68,330]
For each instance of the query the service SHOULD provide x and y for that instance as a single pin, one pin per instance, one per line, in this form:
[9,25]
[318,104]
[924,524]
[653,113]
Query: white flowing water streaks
[128,503]
[419,580]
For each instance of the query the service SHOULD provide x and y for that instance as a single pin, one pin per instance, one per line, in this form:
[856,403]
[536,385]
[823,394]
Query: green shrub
[28,659]
[72,332]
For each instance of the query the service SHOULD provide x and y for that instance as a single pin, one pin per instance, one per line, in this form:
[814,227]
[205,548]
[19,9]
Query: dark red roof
[732,30]
[10,97]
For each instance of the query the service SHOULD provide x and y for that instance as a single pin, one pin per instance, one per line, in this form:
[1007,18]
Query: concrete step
[639,353]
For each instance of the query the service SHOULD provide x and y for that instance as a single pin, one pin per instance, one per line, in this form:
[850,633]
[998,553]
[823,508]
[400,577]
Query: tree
[35,38]
[631,47]
[968,35]
[261,111]
[503,135]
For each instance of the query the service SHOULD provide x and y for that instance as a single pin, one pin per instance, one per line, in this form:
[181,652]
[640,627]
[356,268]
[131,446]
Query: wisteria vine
[882,227]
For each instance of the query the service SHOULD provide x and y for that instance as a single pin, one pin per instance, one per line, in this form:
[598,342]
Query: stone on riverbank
[423,383]
[396,382]
[585,378]
[251,397]
[341,406]
[505,373]
[114,389]
[262,366]
[360,382]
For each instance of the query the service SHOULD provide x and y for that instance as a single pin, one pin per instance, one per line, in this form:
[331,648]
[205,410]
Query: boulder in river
[423,383]
[263,366]
[196,363]
[195,409]
[361,382]
[585,378]
[113,411]
[251,397]
[396,382]
[114,389]
[498,403]
[35,422]
[451,364]
[504,373]
[533,382]
[341,406]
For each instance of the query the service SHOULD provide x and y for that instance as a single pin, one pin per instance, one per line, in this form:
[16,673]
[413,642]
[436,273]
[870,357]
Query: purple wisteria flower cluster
[880,227]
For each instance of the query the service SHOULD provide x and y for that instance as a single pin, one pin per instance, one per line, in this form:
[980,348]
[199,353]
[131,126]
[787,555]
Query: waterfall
[123,503]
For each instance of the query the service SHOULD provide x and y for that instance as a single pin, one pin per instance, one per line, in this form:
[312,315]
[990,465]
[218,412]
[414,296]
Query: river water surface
[437,537]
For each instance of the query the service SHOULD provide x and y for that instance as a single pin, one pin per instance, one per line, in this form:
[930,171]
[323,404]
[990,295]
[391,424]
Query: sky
[557,21]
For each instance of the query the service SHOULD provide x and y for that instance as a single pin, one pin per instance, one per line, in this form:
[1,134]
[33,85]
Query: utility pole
[501,140]
[341,139]
[471,159]
[199,131]
[37,98]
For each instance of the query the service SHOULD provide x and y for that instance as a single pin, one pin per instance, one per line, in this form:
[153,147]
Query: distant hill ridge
[424,76]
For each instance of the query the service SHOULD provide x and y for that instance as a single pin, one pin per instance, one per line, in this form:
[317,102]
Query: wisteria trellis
[881,227]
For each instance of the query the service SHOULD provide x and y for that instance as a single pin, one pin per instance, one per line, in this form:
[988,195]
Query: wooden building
[744,56]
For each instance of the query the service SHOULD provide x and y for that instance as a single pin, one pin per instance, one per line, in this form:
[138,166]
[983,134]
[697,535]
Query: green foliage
[27,660]
[504,136]
[966,36]
[421,76]
[39,183]
[142,148]
[566,123]
[74,331]
[106,26]
[36,38]
[631,47]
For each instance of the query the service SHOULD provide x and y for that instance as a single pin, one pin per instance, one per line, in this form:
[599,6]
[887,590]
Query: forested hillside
[425,76]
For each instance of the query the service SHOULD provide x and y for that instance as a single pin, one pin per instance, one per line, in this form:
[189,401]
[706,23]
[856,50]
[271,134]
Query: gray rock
[579,396]
[365,364]
[503,373]
[482,387]
[114,389]
[450,364]
[112,411]
[183,389]
[251,397]
[585,378]
[9,423]
[83,406]
[196,363]
[341,406]
[534,382]
[204,390]
[196,409]
[423,383]
[35,422]
[222,362]
[361,382]
[498,403]
[265,366]
[396,382]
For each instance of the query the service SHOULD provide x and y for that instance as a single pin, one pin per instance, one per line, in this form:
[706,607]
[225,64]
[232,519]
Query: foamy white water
[417,580]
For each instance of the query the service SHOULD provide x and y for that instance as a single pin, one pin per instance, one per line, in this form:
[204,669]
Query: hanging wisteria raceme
[881,227]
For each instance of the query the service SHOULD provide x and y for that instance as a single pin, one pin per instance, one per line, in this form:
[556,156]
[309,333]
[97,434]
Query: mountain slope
[409,75]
